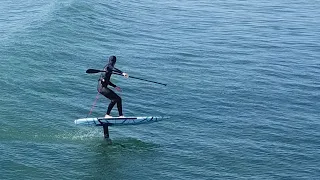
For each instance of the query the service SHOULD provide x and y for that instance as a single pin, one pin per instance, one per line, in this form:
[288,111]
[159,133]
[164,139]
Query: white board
[118,121]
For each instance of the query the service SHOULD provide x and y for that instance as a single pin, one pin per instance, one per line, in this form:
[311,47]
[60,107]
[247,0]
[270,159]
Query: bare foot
[107,116]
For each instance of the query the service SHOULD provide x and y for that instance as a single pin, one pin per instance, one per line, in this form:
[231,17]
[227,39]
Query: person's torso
[106,76]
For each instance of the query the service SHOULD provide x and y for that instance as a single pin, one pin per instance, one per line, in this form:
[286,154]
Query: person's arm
[114,86]
[119,72]
[116,71]
[111,84]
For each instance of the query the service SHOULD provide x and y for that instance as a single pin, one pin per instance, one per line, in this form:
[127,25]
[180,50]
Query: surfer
[103,88]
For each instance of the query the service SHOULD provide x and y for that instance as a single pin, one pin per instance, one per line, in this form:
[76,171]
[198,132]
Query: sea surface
[243,91]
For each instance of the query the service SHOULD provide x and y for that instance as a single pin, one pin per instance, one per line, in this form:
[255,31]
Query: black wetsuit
[103,89]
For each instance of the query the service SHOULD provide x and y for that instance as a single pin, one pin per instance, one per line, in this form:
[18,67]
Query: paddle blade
[92,71]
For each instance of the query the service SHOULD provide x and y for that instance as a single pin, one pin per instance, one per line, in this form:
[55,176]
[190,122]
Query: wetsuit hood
[112,61]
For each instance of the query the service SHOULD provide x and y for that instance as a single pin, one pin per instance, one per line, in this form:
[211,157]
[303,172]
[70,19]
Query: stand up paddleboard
[117,121]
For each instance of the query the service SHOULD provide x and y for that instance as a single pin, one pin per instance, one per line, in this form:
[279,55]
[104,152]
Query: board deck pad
[118,121]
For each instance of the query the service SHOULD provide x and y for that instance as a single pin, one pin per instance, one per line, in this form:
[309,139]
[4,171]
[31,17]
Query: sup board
[118,121]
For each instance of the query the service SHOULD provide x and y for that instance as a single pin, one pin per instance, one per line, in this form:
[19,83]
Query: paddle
[92,71]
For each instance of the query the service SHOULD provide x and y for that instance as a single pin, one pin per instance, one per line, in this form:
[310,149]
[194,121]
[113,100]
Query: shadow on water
[93,137]
[84,153]
[86,149]
[117,160]
[125,144]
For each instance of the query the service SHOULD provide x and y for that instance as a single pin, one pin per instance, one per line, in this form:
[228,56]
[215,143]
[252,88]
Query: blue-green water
[243,89]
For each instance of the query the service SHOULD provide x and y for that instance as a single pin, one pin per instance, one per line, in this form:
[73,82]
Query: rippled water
[243,89]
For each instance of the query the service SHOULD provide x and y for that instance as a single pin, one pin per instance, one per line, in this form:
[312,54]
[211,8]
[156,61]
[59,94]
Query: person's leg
[119,106]
[108,93]
[112,103]
[116,99]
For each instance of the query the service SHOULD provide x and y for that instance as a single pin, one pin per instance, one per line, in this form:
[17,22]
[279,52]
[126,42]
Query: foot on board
[107,116]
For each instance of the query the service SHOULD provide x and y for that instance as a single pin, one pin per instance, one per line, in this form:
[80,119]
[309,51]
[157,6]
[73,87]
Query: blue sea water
[243,89]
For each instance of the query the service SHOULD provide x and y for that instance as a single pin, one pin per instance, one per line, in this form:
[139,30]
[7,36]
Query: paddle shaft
[91,71]
[147,80]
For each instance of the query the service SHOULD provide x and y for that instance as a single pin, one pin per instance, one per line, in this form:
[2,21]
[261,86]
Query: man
[103,88]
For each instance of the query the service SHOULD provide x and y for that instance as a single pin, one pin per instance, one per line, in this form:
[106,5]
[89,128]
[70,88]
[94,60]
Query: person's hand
[125,75]
[118,89]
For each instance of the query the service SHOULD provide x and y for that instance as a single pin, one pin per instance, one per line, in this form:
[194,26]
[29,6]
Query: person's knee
[119,99]
[116,100]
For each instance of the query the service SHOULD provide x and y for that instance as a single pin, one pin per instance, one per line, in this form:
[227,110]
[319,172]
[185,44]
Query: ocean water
[243,89]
